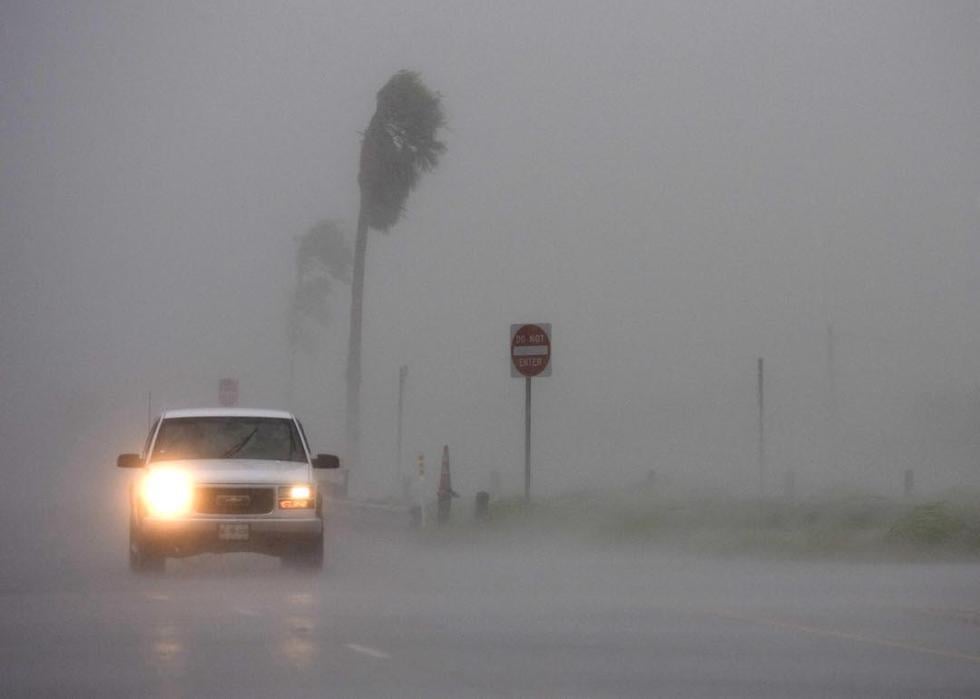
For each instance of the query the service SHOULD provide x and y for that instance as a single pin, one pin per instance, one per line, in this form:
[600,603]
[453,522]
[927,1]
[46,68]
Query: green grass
[831,524]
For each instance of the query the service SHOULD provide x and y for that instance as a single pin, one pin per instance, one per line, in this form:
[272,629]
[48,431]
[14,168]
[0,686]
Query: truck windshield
[273,439]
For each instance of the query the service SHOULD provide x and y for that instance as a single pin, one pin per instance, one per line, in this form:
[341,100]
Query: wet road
[393,617]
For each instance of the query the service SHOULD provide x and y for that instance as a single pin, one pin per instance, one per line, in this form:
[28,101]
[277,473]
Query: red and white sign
[530,350]
[228,392]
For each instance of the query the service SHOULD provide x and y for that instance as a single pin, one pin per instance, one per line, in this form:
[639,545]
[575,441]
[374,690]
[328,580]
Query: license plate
[233,532]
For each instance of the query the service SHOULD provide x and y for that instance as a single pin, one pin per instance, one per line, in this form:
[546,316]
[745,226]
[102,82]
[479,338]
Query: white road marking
[156,597]
[246,612]
[848,636]
[373,652]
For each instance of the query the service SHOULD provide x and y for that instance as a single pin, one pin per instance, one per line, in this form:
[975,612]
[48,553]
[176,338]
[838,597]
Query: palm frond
[322,257]
[399,145]
[325,245]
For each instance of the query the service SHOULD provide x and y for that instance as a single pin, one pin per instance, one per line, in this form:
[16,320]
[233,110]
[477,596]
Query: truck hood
[239,470]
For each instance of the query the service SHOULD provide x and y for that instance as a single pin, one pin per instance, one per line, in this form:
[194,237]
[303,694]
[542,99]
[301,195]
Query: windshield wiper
[241,445]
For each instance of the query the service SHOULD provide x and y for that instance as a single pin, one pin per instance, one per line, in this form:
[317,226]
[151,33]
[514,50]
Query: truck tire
[307,556]
[142,558]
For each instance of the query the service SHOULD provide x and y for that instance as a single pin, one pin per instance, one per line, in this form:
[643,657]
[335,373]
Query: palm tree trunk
[353,414]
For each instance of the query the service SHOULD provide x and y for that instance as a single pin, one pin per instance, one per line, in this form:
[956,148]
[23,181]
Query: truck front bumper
[188,537]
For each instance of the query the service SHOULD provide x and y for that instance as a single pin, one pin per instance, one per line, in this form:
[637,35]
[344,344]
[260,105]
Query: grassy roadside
[833,524]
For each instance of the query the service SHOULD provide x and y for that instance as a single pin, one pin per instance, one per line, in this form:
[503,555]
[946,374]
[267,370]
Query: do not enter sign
[530,350]
[530,356]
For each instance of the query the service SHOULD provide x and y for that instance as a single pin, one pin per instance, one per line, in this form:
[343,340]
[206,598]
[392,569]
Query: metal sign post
[530,356]
[527,438]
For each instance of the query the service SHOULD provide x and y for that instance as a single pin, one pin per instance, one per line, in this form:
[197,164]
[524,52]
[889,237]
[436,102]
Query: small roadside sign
[530,350]
[228,392]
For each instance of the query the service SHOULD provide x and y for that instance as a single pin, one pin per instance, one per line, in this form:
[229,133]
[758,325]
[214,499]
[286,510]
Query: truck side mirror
[129,461]
[326,461]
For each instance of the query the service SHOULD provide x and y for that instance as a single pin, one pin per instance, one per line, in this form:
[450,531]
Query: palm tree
[322,257]
[399,145]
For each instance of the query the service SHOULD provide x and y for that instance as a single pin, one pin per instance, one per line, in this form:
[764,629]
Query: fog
[678,188]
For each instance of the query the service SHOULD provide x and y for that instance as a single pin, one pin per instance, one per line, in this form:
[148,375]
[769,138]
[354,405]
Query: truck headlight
[300,492]
[296,497]
[167,493]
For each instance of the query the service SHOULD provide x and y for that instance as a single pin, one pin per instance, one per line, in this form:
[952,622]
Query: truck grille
[212,500]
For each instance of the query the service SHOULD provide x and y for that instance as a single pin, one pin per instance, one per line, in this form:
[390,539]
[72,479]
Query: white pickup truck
[228,479]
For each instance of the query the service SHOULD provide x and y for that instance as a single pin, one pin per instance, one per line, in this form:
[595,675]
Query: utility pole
[402,375]
[762,428]
[291,379]
[420,460]
[833,407]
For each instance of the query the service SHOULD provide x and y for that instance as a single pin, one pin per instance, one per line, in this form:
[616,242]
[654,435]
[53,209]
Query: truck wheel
[305,557]
[142,558]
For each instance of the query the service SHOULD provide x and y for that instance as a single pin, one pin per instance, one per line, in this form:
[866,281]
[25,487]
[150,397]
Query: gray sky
[678,188]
